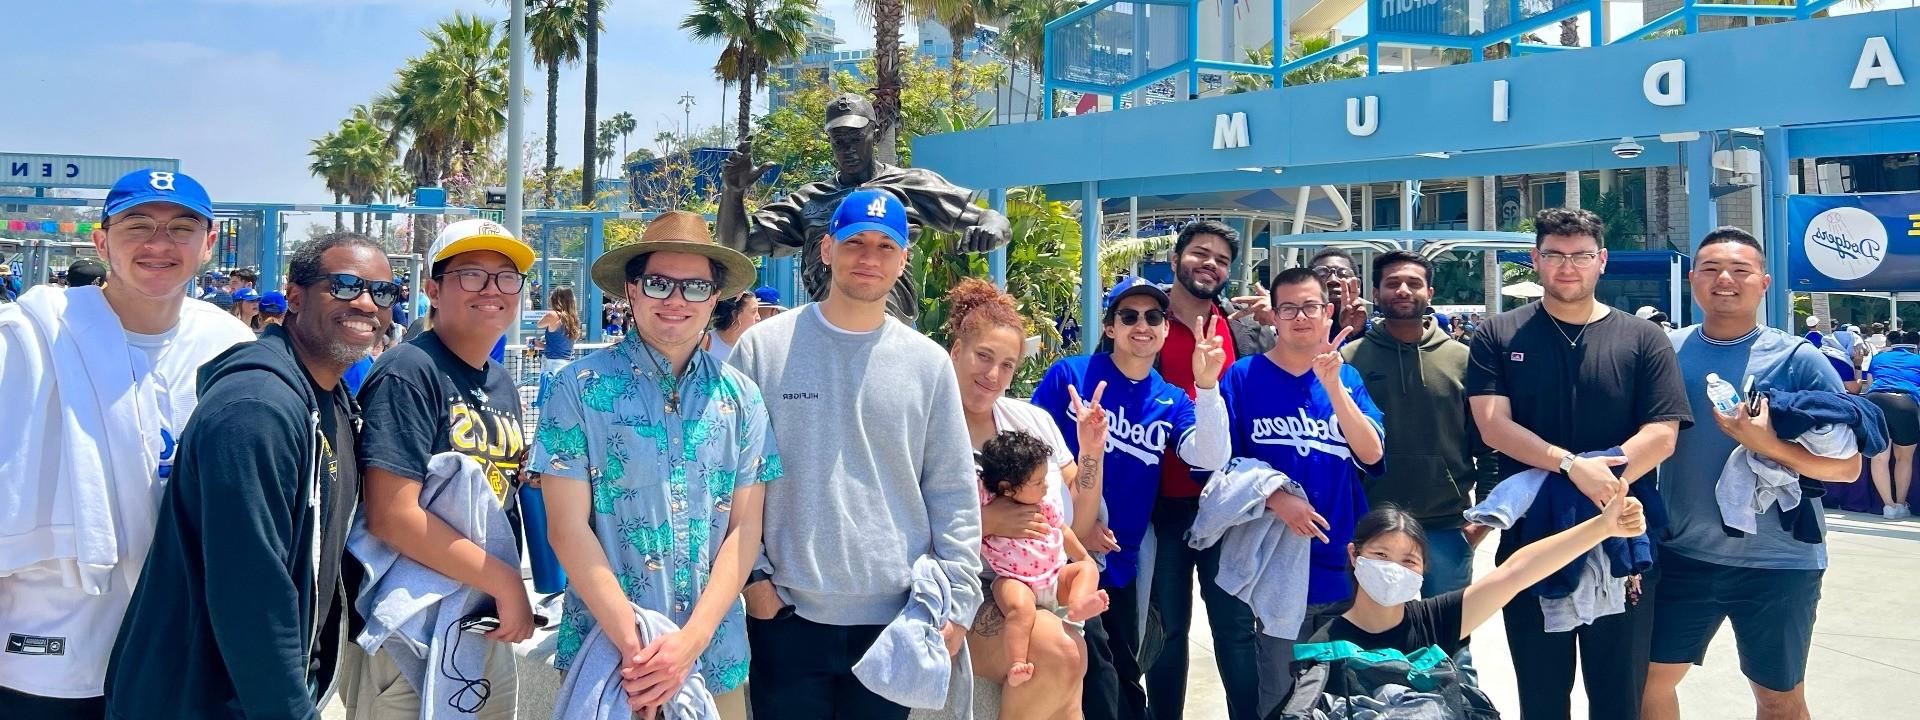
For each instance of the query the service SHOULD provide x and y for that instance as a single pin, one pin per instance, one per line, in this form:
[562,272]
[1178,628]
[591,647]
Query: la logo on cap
[877,208]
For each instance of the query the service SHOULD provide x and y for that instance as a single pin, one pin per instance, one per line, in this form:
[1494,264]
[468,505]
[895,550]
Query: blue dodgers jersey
[1144,417]
[1895,370]
[1287,421]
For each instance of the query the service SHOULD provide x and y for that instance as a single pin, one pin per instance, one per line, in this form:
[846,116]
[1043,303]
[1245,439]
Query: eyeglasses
[660,287]
[475,280]
[1332,271]
[1131,316]
[347,288]
[140,228]
[1582,260]
[1290,311]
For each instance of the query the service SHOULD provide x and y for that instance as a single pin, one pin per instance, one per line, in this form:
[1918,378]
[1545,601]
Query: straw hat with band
[675,231]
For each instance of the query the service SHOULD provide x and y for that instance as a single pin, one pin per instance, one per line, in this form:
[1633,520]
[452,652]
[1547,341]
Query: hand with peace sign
[1259,305]
[1089,418]
[1209,355]
[1327,361]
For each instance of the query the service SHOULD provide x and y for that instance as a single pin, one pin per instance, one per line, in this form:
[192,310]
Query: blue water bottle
[548,576]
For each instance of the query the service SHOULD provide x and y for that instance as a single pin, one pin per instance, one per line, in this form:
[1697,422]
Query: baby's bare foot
[1088,606]
[1019,674]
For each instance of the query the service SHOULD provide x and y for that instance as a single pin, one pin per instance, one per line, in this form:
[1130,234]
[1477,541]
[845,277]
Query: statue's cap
[849,110]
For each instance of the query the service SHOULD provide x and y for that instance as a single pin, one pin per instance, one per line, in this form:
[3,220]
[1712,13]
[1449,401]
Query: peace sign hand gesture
[1208,355]
[1259,305]
[1089,417]
[1326,364]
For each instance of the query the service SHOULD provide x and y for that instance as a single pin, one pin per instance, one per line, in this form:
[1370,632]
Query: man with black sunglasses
[1148,417]
[239,612]
[656,413]
[437,393]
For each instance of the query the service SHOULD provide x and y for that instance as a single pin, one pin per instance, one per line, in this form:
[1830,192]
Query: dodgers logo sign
[1845,243]
[1861,243]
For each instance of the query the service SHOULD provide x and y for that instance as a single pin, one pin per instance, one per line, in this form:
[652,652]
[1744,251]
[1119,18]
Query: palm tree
[1027,34]
[887,16]
[554,29]
[588,152]
[961,18]
[328,165]
[624,124]
[449,104]
[757,34]
[603,151]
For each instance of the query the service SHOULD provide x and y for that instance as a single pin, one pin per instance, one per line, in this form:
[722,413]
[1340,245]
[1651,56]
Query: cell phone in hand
[483,624]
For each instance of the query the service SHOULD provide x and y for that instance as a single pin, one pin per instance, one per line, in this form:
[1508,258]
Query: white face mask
[1388,583]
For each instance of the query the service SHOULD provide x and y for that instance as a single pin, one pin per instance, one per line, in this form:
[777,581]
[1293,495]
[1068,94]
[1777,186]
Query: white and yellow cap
[478,234]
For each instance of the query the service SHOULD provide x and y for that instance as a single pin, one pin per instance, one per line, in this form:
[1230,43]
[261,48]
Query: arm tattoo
[989,621]
[1089,472]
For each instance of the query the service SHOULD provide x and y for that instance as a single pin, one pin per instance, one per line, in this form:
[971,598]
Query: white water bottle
[1725,399]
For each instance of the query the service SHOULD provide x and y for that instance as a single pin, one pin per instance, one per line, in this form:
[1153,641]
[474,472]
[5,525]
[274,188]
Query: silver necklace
[1571,341]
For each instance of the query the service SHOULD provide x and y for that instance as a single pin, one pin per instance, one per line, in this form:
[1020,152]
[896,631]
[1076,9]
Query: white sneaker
[1890,512]
[1906,511]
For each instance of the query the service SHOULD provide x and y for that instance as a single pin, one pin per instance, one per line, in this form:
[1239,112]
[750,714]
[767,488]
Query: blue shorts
[1772,613]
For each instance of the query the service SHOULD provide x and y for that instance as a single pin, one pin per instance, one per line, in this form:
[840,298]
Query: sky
[237,89]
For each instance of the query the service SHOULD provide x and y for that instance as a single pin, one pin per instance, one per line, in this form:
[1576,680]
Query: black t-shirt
[421,400]
[1429,621]
[339,493]
[1581,387]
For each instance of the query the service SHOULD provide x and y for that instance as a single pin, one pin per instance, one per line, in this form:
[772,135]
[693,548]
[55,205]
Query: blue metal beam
[1090,281]
[1779,11]
[1776,150]
[595,246]
[1701,215]
[997,260]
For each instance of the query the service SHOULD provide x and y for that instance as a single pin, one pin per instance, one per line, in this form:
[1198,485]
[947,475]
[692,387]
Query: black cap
[85,271]
[849,110]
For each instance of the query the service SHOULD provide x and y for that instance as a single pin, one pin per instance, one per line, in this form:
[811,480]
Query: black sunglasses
[347,287]
[1130,316]
[660,287]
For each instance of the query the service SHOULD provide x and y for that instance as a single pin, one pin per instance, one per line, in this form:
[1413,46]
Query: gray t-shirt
[879,470]
[1777,361]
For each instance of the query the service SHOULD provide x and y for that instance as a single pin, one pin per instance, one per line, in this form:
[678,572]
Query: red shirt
[1176,367]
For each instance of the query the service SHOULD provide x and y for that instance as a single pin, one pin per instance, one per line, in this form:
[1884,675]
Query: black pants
[1613,654]
[1229,620]
[803,670]
[15,704]
[1112,689]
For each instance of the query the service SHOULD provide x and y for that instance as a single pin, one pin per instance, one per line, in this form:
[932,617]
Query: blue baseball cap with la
[148,185]
[1132,285]
[869,209]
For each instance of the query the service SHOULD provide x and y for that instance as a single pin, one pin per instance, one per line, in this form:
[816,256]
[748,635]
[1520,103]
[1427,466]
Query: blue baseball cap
[869,209]
[246,295]
[149,185]
[1132,285]
[767,294]
[275,301]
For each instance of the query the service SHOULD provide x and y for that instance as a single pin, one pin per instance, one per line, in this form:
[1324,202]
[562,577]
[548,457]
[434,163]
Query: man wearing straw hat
[653,457]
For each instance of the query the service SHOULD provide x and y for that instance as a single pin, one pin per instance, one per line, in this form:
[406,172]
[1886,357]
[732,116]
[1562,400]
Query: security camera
[1627,149]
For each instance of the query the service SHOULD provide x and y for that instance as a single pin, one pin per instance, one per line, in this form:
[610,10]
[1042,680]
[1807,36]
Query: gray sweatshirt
[879,470]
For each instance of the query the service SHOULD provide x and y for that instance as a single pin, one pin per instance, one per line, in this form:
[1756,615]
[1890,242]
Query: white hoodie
[92,414]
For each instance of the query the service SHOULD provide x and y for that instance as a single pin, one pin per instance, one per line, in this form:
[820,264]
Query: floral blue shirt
[662,482]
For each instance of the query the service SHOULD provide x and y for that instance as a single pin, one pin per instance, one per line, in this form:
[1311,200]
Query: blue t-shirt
[1895,370]
[1287,421]
[356,375]
[1688,479]
[1144,417]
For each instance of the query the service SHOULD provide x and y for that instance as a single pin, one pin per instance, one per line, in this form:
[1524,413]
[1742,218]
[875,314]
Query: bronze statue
[799,221]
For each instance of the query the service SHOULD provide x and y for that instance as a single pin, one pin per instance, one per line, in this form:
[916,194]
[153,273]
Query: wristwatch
[1566,462]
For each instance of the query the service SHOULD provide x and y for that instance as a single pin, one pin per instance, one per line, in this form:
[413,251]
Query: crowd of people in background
[819,512]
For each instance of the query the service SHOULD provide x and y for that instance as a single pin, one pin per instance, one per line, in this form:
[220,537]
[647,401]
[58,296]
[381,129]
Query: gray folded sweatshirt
[879,470]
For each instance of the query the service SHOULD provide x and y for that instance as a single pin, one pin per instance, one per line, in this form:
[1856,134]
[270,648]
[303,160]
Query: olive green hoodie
[1435,458]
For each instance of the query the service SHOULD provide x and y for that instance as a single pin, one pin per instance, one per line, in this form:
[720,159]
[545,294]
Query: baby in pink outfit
[1033,572]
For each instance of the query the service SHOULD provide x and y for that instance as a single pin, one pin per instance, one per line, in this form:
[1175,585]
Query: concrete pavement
[1865,661]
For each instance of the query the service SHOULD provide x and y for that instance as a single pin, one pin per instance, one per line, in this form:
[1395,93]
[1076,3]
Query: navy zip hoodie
[223,623]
